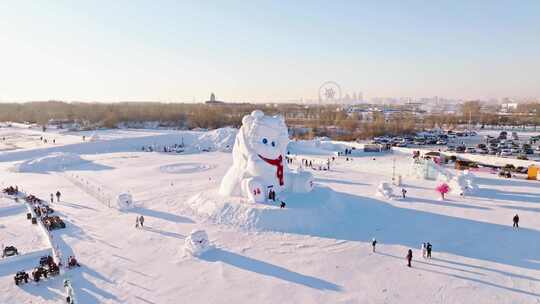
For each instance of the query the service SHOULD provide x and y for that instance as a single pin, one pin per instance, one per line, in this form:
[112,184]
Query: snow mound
[220,139]
[304,213]
[124,201]
[197,243]
[185,168]
[94,138]
[318,146]
[57,161]
[385,190]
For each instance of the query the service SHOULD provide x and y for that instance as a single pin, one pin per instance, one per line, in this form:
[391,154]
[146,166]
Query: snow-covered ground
[316,250]
[16,230]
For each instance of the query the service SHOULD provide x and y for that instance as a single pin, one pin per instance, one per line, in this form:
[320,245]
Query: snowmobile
[53,269]
[21,277]
[45,260]
[10,251]
[38,272]
[53,222]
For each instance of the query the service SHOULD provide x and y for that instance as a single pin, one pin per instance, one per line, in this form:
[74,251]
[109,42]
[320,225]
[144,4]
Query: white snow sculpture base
[125,201]
[300,181]
[197,243]
[385,190]
[304,212]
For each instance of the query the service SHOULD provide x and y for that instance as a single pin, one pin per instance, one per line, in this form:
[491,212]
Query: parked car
[460,149]
[522,170]
[506,152]
[515,136]
[481,146]
[450,148]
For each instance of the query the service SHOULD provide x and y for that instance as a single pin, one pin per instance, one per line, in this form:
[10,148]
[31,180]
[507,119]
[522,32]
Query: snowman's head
[265,135]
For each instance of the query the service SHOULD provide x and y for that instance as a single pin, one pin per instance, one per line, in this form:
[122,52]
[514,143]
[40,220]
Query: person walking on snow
[403,192]
[424,250]
[409,257]
[137,222]
[373,244]
[516,221]
[428,248]
[58,196]
[141,220]
[52,198]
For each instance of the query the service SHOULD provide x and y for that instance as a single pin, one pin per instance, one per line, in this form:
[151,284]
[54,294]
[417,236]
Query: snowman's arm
[251,164]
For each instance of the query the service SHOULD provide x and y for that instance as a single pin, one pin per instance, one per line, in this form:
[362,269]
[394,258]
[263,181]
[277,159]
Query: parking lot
[516,145]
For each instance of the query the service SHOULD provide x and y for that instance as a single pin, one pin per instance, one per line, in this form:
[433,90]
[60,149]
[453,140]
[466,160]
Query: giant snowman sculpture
[259,163]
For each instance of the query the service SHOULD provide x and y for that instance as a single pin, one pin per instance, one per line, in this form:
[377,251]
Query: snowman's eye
[273,144]
[264,141]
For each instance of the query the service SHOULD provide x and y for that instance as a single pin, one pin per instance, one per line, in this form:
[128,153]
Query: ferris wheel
[329,93]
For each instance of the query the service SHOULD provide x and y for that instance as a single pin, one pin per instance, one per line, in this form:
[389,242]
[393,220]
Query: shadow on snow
[267,269]
[360,218]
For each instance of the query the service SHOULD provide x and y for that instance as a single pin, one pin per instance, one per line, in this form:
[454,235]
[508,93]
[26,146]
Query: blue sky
[257,50]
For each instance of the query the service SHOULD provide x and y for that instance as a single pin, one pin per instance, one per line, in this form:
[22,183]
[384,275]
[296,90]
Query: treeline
[477,113]
[109,115]
[305,121]
[340,125]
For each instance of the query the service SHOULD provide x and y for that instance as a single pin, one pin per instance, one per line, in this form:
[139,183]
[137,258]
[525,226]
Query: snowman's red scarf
[278,162]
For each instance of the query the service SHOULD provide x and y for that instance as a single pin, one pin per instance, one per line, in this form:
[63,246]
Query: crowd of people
[176,148]
[11,190]
[45,140]
[318,164]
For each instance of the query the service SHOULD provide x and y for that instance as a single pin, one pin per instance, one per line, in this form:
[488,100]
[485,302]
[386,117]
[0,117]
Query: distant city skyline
[181,51]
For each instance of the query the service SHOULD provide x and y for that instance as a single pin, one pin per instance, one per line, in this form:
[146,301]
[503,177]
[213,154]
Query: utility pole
[394,171]
[470,114]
